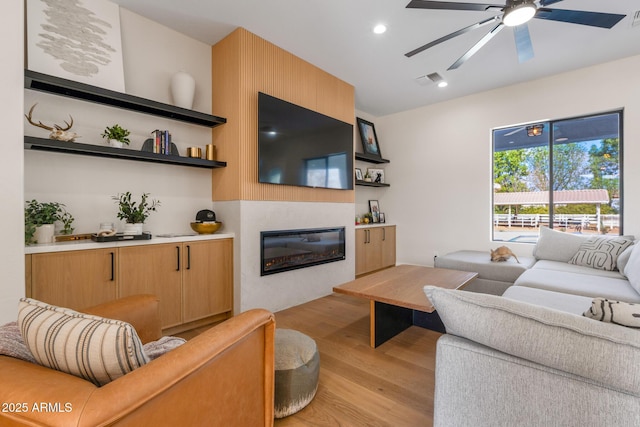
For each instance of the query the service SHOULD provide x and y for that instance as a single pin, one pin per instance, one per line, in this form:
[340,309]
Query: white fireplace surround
[279,291]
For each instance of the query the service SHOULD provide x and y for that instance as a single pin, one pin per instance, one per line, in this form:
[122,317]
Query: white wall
[152,54]
[11,162]
[440,195]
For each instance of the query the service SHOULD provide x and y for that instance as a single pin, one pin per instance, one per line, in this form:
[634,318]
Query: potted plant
[39,220]
[116,135]
[133,213]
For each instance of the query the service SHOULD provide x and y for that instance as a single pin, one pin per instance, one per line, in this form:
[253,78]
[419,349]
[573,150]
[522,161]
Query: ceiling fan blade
[477,46]
[593,19]
[548,2]
[445,5]
[452,35]
[523,43]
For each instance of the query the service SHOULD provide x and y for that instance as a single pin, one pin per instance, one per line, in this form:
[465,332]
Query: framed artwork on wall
[377,175]
[374,208]
[359,176]
[76,40]
[368,137]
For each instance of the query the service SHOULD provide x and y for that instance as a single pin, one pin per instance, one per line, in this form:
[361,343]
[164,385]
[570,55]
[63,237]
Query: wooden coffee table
[398,299]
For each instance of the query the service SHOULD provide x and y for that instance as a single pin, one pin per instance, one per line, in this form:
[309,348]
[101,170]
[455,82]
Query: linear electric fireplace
[285,250]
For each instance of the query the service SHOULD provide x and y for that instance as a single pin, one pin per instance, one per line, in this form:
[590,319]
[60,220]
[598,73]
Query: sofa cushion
[575,304]
[632,269]
[480,262]
[557,245]
[623,259]
[601,252]
[544,264]
[620,313]
[12,344]
[579,284]
[601,351]
[91,347]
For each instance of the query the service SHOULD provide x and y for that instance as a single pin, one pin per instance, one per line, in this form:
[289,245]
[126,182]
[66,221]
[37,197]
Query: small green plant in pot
[116,135]
[133,212]
[39,220]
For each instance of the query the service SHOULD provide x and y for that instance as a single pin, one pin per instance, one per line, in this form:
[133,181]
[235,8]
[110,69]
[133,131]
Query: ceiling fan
[516,14]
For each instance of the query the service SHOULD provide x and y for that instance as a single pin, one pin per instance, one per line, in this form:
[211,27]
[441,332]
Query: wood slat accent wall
[244,64]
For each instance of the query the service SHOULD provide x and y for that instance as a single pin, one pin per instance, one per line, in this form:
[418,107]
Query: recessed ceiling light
[379,29]
[443,84]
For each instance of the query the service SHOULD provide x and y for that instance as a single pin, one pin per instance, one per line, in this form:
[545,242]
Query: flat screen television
[298,146]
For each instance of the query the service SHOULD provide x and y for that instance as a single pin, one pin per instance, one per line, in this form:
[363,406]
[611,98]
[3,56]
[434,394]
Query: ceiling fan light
[518,15]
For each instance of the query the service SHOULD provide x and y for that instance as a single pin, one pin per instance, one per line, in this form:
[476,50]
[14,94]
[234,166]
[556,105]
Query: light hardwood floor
[391,385]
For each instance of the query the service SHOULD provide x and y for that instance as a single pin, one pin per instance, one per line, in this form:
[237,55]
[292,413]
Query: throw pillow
[555,245]
[12,344]
[620,313]
[600,252]
[623,259]
[632,269]
[90,347]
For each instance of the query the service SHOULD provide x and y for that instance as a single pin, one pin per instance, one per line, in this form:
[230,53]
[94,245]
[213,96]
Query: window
[564,174]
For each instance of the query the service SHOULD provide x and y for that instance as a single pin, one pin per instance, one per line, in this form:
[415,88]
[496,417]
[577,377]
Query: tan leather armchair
[223,377]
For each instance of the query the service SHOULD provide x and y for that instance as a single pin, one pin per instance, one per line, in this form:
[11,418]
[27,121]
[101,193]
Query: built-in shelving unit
[44,144]
[58,86]
[375,160]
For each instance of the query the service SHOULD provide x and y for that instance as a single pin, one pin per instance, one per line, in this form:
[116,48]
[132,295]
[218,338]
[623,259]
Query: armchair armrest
[141,311]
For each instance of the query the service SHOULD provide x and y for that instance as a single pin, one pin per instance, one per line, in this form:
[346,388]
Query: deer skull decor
[57,132]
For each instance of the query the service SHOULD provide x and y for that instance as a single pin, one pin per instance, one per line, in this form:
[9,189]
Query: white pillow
[623,259]
[601,252]
[90,347]
[557,245]
[620,313]
[632,269]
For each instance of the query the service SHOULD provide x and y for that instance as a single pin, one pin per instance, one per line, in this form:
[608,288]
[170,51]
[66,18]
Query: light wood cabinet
[193,280]
[74,279]
[207,271]
[157,270]
[375,248]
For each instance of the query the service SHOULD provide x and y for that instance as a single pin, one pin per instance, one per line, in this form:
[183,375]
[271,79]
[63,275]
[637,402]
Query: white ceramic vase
[44,233]
[116,143]
[183,89]
[132,229]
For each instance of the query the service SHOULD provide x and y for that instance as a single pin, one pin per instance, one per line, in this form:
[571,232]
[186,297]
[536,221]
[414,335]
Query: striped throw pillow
[90,347]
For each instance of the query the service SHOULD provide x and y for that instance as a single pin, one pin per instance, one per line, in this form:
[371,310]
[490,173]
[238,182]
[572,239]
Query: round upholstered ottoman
[297,366]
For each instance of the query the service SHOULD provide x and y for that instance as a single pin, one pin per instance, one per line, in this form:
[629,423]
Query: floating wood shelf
[371,184]
[371,159]
[58,86]
[43,144]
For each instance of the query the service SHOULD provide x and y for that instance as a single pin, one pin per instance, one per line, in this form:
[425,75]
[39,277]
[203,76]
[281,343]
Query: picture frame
[369,138]
[382,220]
[377,175]
[374,208]
[359,176]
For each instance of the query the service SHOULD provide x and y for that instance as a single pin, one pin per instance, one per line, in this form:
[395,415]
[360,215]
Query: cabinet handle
[178,249]
[384,234]
[113,261]
[368,236]
[188,257]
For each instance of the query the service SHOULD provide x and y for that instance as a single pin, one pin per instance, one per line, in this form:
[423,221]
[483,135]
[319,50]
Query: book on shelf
[162,141]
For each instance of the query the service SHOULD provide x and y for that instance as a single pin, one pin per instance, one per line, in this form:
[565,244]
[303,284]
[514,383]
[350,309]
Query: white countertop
[376,224]
[79,245]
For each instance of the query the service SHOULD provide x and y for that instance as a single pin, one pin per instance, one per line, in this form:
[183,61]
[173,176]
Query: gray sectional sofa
[530,358]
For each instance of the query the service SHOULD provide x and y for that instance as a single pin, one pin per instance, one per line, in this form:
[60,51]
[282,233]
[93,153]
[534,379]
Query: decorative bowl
[206,227]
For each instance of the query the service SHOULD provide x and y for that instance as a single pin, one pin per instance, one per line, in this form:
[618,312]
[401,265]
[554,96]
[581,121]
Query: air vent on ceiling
[429,78]
[636,19]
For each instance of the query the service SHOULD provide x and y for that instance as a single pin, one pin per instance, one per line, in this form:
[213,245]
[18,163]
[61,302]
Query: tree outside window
[564,174]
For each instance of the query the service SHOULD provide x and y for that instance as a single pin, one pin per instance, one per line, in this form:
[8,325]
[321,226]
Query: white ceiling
[336,35]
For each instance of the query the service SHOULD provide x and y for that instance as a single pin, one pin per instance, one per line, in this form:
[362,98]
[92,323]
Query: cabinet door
[374,249]
[74,279]
[388,246]
[361,248]
[207,286]
[157,270]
